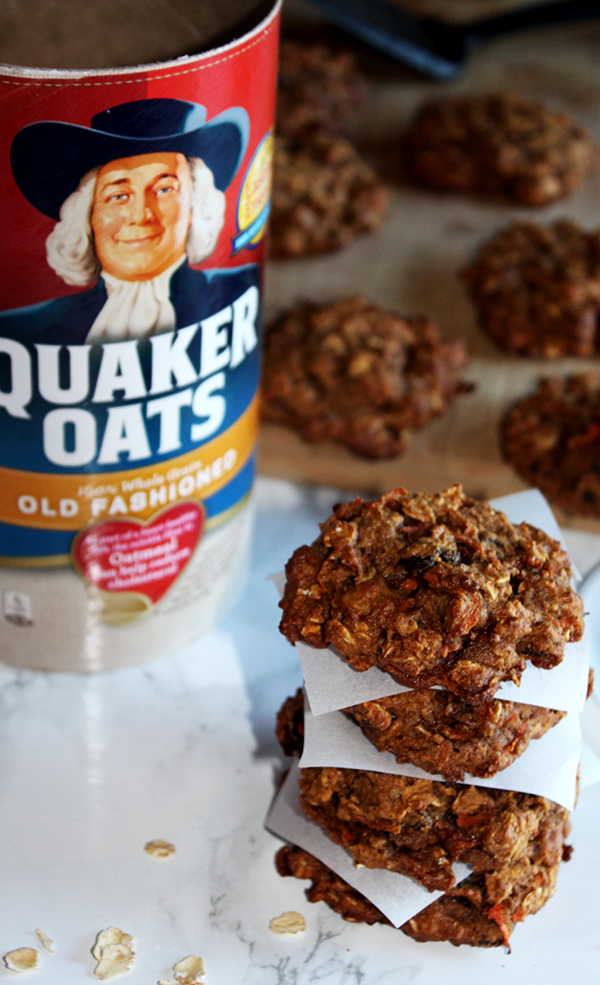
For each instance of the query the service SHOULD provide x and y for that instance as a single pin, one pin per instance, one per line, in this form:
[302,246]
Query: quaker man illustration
[138,197]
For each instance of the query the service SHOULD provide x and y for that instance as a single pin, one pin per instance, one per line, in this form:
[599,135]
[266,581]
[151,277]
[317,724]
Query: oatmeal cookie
[552,439]
[481,911]
[324,195]
[444,734]
[435,730]
[436,589]
[501,145]
[318,86]
[289,729]
[421,827]
[356,373]
[537,289]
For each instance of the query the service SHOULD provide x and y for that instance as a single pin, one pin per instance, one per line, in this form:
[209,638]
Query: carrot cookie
[356,373]
[501,145]
[437,589]
[318,86]
[436,731]
[552,439]
[324,195]
[481,911]
[537,289]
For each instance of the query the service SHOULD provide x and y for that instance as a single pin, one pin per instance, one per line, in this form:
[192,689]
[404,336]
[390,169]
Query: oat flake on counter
[288,923]
[44,940]
[113,950]
[159,848]
[22,959]
[188,971]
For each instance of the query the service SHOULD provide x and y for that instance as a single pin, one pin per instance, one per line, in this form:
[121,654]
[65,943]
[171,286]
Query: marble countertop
[93,767]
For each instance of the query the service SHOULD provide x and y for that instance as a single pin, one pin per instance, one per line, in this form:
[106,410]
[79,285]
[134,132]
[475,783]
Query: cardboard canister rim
[32,72]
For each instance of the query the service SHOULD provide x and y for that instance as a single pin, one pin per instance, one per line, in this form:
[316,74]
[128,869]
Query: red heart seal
[132,556]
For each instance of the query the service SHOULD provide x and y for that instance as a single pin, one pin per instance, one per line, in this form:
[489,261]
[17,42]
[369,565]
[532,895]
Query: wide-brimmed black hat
[50,158]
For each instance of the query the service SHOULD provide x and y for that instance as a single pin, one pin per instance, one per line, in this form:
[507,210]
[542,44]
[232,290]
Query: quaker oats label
[135,209]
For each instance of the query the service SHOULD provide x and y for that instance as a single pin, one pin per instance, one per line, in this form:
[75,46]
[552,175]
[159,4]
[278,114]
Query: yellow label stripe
[48,501]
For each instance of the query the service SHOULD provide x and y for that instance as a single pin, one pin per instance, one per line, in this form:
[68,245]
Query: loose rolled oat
[113,950]
[22,959]
[288,923]
[188,971]
[159,848]
[45,941]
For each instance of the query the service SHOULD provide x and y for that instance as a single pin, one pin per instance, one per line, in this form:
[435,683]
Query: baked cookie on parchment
[319,85]
[324,194]
[481,911]
[436,589]
[537,289]
[552,438]
[500,145]
[358,374]
[436,731]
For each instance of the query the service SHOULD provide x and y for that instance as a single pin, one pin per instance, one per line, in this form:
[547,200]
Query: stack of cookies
[439,602]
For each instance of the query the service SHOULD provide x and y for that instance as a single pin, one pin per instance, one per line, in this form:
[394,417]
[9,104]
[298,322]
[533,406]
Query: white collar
[135,309]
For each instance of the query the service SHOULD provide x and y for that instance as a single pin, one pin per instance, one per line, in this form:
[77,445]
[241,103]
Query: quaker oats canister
[134,210]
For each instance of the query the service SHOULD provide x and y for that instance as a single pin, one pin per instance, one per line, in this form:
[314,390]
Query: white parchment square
[548,767]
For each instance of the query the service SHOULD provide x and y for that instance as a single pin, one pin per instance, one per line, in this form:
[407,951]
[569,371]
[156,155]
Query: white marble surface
[93,767]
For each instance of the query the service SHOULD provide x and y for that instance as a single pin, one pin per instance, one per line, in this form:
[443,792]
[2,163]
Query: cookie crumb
[113,950]
[22,959]
[288,923]
[159,848]
[44,940]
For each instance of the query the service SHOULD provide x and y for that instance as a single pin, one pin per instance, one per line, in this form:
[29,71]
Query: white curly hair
[70,246]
